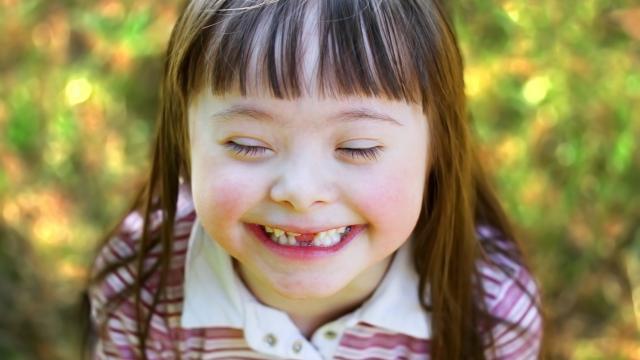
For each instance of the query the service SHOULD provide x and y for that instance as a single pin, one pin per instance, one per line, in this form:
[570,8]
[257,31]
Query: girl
[314,193]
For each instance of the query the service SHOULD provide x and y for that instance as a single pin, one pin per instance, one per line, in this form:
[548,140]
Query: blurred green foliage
[554,89]
[554,92]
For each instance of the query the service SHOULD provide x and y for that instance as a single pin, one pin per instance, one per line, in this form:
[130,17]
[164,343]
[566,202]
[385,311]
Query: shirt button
[270,339]
[330,335]
[297,346]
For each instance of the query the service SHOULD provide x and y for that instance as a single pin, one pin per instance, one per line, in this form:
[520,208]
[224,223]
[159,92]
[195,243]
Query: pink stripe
[384,341]
[512,295]
[115,254]
[490,296]
[490,279]
[509,329]
[128,309]
[530,339]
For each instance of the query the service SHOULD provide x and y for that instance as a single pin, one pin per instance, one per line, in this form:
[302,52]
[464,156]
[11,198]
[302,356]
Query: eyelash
[248,150]
[366,154]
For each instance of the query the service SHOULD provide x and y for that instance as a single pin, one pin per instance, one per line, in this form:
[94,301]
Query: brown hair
[404,50]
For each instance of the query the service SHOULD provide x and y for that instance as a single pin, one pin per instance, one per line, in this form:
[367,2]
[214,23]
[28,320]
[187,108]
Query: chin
[307,291]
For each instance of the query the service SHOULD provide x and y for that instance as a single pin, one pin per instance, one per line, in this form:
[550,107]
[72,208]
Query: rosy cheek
[380,198]
[391,203]
[224,199]
[220,199]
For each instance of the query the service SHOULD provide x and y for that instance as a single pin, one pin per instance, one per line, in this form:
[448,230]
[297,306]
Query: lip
[303,252]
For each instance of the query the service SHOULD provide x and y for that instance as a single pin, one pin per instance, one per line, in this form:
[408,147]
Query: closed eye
[245,150]
[371,153]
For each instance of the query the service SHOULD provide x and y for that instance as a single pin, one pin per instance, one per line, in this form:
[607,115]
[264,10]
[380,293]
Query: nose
[302,184]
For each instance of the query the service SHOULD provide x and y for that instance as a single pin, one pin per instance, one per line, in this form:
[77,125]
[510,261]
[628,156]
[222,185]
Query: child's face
[291,164]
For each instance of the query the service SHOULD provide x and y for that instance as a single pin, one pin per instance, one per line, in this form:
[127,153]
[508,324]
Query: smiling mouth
[322,239]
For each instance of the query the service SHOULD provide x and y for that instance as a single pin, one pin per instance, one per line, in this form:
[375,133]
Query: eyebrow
[351,115]
[242,111]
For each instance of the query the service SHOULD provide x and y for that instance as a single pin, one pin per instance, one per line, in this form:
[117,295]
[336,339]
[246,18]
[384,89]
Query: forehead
[315,111]
[290,49]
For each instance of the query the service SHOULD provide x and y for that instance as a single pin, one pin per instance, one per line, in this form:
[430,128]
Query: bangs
[289,49]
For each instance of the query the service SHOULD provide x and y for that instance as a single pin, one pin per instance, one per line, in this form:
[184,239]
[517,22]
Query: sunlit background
[554,90]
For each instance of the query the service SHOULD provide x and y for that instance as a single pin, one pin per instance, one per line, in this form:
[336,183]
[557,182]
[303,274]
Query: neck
[309,314]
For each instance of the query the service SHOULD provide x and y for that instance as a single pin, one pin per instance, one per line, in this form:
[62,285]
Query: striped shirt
[201,279]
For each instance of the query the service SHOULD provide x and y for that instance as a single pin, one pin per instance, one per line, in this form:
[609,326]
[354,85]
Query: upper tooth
[329,234]
[331,239]
[324,238]
[292,239]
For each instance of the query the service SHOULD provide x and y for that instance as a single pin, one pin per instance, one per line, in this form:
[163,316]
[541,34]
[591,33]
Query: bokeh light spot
[512,12]
[536,89]
[78,91]
[71,271]
[475,81]
[11,213]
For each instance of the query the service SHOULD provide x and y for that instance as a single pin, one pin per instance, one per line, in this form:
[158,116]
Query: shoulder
[124,244]
[111,299]
[511,298]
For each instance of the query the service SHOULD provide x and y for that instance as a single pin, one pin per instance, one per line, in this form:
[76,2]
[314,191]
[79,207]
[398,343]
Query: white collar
[214,296]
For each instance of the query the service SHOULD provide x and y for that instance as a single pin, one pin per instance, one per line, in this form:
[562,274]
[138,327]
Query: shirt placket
[272,333]
[327,337]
